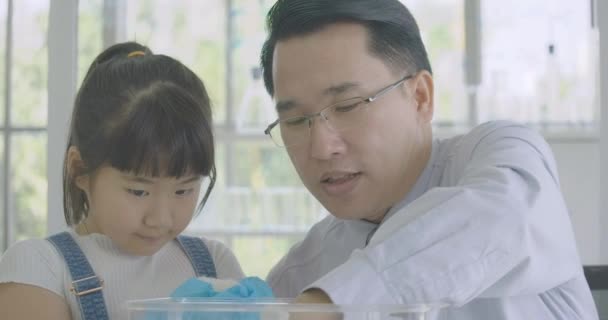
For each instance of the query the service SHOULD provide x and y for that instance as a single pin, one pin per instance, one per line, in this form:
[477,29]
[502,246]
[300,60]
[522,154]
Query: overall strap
[199,255]
[86,286]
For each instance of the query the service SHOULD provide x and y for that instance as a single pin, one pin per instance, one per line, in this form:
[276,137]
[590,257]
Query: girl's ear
[76,167]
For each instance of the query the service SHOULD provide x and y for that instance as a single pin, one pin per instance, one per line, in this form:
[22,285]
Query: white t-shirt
[36,262]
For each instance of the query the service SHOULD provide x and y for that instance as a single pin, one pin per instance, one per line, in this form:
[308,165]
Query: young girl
[140,146]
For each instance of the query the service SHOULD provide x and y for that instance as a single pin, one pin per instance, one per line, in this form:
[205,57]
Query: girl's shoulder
[34,262]
[31,249]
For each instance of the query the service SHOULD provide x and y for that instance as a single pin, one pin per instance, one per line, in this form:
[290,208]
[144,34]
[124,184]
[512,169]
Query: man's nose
[325,141]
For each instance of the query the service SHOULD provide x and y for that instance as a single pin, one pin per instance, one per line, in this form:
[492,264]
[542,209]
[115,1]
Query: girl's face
[139,213]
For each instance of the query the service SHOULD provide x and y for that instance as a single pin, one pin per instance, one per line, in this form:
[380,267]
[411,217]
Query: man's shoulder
[491,143]
[301,259]
[502,129]
[491,132]
[311,246]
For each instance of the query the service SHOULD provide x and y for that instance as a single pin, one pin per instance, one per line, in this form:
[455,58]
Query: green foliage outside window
[28,173]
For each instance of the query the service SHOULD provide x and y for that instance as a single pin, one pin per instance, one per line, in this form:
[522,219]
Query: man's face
[361,172]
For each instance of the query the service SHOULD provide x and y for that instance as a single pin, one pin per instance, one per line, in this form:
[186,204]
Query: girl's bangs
[165,135]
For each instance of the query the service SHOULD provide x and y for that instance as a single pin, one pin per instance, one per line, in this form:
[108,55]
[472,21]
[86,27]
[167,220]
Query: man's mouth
[339,178]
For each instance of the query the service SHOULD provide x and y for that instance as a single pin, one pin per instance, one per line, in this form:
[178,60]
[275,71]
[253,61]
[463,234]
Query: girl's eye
[138,193]
[183,192]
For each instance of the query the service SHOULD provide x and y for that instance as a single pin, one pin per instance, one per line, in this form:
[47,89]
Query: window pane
[30,54]
[266,190]
[262,211]
[548,76]
[261,192]
[90,36]
[193,32]
[260,164]
[441,24]
[29,184]
[258,254]
[3,11]
[253,106]
[212,218]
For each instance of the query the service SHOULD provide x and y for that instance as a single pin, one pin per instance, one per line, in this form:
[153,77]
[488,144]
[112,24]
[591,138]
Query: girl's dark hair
[142,113]
[393,34]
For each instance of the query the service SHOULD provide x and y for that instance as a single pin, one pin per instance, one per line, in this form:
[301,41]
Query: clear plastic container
[266,309]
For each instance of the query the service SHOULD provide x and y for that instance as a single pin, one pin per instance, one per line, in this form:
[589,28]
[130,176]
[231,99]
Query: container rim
[266,304]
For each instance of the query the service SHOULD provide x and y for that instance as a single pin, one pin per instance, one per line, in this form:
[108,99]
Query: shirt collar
[421,185]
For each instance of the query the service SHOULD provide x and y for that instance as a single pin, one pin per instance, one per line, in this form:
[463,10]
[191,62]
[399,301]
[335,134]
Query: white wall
[578,164]
[602,14]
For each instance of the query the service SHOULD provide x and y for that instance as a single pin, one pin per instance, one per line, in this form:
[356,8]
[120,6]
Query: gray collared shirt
[485,231]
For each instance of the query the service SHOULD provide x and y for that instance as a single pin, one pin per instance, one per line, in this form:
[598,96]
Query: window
[441,25]
[192,31]
[3,89]
[90,34]
[540,63]
[259,207]
[24,117]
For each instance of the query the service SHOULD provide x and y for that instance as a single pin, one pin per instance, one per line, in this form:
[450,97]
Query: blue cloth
[85,283]
[247,290]
[250,287]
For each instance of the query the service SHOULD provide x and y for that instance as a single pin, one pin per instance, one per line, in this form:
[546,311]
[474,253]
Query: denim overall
[87,286]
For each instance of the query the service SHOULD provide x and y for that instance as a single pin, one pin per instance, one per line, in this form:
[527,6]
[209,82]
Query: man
[476,222]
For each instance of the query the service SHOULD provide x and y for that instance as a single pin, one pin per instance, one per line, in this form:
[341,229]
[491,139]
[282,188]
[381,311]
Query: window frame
[63,26]
[8,131]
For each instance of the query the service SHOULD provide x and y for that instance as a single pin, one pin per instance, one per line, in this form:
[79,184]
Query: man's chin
[343,209]
[353,214]
[347,214]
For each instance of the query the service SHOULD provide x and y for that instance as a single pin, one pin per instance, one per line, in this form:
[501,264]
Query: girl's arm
[21,301]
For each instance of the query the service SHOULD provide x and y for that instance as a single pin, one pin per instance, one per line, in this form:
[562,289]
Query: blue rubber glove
[248,288]
[194,288]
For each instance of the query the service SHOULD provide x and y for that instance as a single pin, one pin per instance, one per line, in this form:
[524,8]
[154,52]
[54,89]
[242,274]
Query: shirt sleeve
[226,264]
[495,232]
[33,262]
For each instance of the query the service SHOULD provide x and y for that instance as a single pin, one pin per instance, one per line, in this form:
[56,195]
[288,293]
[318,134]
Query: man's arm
[313,295]
[495,233]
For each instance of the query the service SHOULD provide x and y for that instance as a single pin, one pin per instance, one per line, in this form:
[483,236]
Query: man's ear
[76,168]
[423,94]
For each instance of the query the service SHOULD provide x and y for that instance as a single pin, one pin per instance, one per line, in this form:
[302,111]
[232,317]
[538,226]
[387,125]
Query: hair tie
[136,53]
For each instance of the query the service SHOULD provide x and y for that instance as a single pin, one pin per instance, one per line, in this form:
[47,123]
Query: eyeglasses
[341,116]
